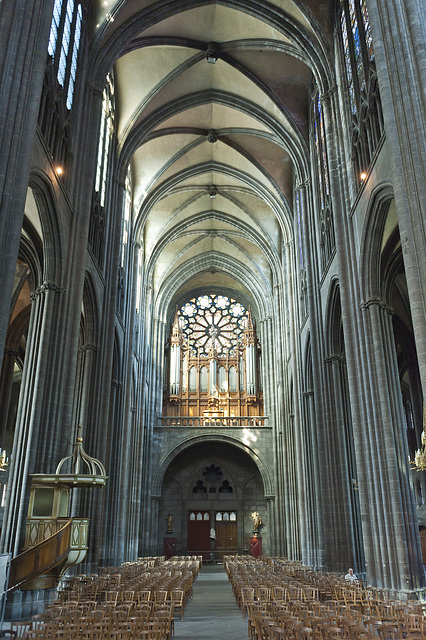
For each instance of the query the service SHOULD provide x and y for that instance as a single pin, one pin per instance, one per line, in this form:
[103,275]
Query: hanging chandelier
[419,462]
[3,460]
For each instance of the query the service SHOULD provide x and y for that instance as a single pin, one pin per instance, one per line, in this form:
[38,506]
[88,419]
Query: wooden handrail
[40,559]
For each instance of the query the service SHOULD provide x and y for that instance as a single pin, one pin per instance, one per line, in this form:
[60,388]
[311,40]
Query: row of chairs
[286,601]
[134,602]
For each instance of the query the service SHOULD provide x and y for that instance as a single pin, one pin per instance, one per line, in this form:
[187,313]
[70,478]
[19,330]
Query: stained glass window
[362,83]
[54,27]
[300,228]
[105,135]
[73,69]
[64,43]
[367,30]
[357,46]
[127,208]
[327,243]
[321,153]
[213,321]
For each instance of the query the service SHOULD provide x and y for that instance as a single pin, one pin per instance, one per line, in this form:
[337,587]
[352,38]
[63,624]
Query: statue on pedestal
[169,521]
[257,522]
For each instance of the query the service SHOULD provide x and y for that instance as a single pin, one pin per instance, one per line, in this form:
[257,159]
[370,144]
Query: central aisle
[212,614]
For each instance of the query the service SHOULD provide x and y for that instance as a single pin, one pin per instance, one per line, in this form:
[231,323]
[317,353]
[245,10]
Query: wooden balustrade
[211,421]
[42,558]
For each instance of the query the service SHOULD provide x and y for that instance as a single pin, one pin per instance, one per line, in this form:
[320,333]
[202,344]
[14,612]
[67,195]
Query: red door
[199,534]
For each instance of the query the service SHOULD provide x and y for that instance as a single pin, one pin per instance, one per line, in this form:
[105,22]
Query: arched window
[327,241]
[64,43]
[105,137]
[302,270]
[125,231]
[361,83]
[97,229]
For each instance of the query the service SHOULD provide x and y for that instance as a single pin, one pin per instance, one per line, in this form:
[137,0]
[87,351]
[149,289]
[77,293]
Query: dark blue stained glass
[357,44]
[348,66]
[367,30]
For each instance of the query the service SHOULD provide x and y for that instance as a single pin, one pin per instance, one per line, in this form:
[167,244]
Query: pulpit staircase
[54,542]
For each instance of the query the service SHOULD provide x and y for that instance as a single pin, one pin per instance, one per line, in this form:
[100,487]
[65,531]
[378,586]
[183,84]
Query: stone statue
[169,520]
[257,522]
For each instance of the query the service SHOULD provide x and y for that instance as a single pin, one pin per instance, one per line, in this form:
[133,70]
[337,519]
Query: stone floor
[212,614]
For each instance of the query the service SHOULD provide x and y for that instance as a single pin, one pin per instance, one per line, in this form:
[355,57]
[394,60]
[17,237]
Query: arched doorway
[210,491]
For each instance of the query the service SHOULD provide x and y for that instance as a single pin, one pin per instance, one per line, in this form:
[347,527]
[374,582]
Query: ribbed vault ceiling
[215,148]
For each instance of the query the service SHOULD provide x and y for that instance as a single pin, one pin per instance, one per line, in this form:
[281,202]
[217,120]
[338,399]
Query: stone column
[398,30]
[314,542]
[84,388]
[348,532]
[31,442]
[318,420]
[392,547]
[25,26]
[6,381]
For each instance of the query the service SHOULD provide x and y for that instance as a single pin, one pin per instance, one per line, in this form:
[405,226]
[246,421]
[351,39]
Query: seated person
[351,576]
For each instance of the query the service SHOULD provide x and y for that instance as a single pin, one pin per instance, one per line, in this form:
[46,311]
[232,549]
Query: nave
[258,599]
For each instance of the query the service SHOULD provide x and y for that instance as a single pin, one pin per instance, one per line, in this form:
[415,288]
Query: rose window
[213,321]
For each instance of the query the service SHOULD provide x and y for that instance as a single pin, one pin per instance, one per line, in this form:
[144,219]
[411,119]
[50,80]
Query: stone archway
[211,485]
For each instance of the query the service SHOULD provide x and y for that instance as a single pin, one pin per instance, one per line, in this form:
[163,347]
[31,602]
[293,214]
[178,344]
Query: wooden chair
[389,631]
[33,634]
[160,595]
[111,597]
[263,593]
[143,596]
[20,627]
[246,596]
[126,595]
[413,626]
[176,597]
[97,615]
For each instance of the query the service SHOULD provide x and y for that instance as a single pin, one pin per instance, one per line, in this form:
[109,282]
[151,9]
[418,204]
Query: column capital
[96,91]
[376,302]
[334,357]
[47,286]
[330,92]
[89,346]
[303,185]
[11,352]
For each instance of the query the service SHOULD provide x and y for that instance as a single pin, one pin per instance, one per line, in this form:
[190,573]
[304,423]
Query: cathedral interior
[213,252]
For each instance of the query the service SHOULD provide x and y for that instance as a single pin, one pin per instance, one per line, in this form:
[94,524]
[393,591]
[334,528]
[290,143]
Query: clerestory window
[327,240]
[64,44]
[105,137]
[98,221]
[360,83]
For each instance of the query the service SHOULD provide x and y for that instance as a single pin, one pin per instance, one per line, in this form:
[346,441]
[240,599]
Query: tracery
[361,84]
[213,360]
